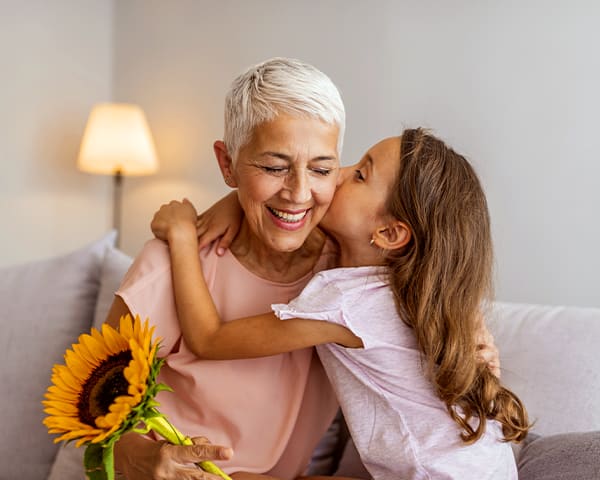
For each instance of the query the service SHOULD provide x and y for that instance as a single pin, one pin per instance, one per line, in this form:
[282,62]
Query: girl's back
[400,426]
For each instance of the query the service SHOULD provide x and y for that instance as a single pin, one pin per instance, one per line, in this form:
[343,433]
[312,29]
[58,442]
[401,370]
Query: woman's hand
[174,221]
[139,458]
[220,222]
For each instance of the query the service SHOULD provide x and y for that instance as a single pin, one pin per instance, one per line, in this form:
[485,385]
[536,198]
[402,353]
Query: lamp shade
[117,140]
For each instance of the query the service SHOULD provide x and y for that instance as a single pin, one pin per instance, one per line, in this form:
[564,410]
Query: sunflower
[104,378]
[106,388]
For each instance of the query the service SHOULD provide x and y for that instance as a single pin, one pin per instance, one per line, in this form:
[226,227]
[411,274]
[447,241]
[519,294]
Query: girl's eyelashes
[358,175]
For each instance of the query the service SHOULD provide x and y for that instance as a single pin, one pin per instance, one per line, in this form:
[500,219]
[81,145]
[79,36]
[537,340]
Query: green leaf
[92,461]
[108,459]
[96,474]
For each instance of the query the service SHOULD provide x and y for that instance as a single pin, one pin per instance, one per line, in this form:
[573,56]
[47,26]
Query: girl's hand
[487,352]
[220,222]
[174,221]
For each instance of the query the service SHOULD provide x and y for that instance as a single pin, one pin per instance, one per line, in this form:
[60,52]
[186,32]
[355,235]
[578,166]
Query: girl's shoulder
[343,285]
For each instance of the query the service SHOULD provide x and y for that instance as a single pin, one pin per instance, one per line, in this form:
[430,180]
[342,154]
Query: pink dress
[272,411]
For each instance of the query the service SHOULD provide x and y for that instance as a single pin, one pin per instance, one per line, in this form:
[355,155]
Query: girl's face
[358,206]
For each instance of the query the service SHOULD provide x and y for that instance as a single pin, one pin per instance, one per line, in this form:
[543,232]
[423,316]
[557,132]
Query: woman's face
[358,207]
[286,177]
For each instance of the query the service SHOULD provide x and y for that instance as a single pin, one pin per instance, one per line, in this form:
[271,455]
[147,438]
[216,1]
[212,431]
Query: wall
[513,85]
[56,62]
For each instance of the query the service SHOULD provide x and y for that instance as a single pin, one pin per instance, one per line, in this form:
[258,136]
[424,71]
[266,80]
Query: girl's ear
[225,163]
[392,236]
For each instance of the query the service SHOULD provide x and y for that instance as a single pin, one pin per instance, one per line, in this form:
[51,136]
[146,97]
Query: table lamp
[117,142]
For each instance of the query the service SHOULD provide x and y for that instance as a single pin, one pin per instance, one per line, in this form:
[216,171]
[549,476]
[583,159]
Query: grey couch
[549,357]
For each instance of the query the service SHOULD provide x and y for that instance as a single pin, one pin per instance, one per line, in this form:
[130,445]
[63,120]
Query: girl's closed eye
[358,175]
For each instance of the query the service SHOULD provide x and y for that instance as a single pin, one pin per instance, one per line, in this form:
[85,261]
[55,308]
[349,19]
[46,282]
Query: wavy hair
[443,278]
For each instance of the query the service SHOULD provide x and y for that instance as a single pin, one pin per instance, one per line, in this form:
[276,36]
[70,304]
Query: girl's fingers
[225,241]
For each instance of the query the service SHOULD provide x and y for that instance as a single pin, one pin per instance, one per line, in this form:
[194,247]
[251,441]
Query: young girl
[395,325]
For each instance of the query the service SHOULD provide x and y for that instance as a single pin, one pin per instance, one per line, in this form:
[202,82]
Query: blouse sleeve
[321,299]
[147,290]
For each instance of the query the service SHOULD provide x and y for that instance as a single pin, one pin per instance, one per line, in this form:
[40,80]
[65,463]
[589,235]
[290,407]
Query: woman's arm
[203,331]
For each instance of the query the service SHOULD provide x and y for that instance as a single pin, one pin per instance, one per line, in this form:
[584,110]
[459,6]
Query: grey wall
[513,85]
[56,62]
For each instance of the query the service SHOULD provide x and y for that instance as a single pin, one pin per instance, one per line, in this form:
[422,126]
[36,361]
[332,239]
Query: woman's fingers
[175,460]
[201,450]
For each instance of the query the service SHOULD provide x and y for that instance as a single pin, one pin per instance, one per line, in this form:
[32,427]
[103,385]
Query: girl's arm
[220,223]
[203,331]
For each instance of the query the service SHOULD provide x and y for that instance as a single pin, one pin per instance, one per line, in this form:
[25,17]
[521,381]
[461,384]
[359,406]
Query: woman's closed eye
[322,171]
[274,169]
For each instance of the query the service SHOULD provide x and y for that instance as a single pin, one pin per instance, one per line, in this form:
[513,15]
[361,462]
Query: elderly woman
[284,125]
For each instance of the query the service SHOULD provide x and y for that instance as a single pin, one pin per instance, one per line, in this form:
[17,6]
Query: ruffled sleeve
[351,297]
[321,299]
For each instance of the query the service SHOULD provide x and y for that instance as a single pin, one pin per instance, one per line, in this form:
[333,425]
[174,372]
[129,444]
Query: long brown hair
[442,279]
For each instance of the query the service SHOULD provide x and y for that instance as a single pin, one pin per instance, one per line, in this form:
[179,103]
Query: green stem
[165,429]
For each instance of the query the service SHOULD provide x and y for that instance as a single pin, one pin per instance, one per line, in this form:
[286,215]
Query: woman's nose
[299,188]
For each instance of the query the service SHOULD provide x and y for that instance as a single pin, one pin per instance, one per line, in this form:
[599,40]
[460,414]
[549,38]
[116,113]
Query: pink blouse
[272,411]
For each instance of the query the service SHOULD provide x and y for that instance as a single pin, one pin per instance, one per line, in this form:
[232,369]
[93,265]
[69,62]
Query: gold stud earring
[372,241]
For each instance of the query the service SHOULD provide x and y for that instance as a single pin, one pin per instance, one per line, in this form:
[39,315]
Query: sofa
[548,357]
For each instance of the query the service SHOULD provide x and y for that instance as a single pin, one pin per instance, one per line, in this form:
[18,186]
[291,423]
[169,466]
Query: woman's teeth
[288,217]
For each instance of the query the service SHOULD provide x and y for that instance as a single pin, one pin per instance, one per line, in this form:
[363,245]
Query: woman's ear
[392,236]
[225,163]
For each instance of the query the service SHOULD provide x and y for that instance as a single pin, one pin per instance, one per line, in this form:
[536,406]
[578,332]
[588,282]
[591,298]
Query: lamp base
[117,194]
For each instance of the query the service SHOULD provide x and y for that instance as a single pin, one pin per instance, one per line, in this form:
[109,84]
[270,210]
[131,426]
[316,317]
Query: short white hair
[276,86]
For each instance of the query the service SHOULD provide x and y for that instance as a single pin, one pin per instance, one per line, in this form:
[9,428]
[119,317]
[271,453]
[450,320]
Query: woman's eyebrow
[325,158]
[288,158]
[279,155]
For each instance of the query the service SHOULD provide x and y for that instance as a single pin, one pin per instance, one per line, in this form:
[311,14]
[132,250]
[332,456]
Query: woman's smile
[288,219]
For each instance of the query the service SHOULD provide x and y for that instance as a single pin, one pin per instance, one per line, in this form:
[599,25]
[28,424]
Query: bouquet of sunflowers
[107,388]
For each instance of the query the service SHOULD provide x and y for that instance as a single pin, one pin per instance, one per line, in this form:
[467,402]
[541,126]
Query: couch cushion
[549,357]
[114,266]
[45,305]
[68,464]
[567,456]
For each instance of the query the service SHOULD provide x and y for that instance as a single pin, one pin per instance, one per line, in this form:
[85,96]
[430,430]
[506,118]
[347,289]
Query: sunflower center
[105,383]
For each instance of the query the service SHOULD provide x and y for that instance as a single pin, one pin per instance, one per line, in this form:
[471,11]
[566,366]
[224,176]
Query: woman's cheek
[327,190]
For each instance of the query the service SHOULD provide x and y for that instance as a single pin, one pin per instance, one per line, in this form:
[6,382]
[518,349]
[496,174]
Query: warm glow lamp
[117,141]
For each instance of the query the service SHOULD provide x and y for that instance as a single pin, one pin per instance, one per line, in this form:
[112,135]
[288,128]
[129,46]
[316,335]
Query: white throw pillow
[549,357]
[115,265]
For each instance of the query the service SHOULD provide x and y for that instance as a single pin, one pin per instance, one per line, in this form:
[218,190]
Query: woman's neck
[272,265]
